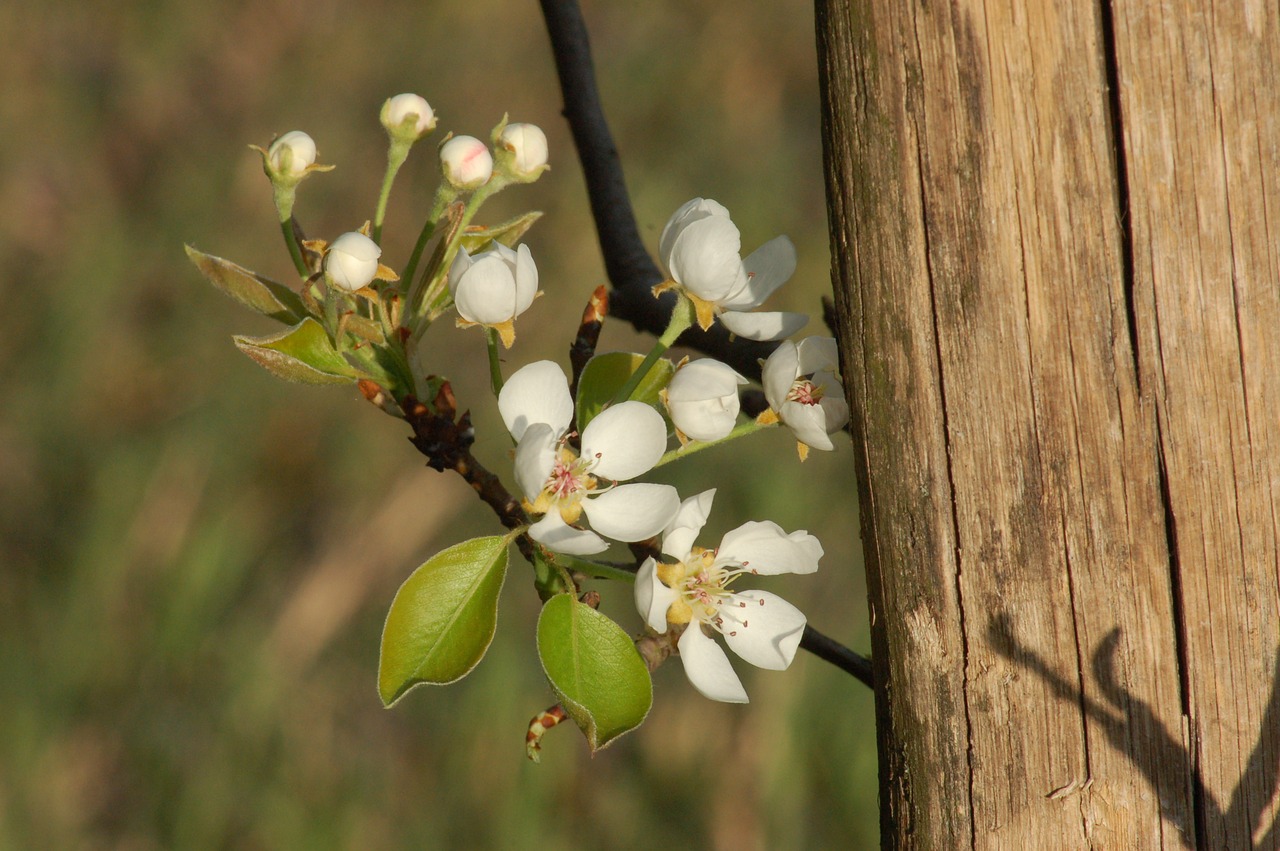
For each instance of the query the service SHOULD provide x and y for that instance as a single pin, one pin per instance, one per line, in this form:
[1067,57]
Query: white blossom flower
[351,262]
[695,590]
[700,246]
[702,399]
[620,443]
[493,288]
[291,154]
[802,384]
[397,110]
[466,162]
[528,146]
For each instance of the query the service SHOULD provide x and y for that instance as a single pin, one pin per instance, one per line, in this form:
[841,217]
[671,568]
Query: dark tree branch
[631,270]
[830,650]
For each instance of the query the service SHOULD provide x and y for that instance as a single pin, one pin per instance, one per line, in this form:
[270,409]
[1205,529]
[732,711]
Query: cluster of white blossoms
[568,488]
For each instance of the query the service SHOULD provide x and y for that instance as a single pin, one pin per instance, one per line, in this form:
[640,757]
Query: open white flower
[760,627]
[620,443]
[700,246]
[802,384]
[702,399]
[493,288]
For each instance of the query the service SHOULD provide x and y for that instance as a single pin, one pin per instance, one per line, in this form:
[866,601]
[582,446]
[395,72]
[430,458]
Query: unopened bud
[466,162]
[528,147]
[290,155]
[352,261]
[397,112]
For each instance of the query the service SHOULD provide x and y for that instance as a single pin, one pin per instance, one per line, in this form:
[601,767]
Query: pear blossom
[802,384]
[466,162]
[695,589]
[702,399]
[620,443]
[493,288]
[399,109]
[527,145]
[700,247]
[351,262]
[291,154]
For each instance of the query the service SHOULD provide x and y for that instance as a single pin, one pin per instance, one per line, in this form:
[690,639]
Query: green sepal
[443,617]
[302,354]
[594,669]
[508,233]
[249,288]
[604,375]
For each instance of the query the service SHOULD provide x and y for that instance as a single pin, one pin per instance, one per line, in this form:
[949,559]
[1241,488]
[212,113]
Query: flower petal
[625,440]
[556,535]
[770,632]
[535,457]
[818,354]
[704,258]
[652,597]
[689,212]
[682,531]
[763,326]
[461,263]
[705,378]
[633,512]
[768,267]
[537,393]
[808,422]
[486,293]
[761,546]
[835,410]
[526,279]
[708,668]
[780,372]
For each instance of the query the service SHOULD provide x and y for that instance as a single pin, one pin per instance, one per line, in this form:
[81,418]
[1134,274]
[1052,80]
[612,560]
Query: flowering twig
[630,268]
[584,345]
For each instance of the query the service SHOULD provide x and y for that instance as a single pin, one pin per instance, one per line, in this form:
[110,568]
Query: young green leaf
[443,617]
[249,288]
[508,233]
[605,375]
[594,668]
[302,354]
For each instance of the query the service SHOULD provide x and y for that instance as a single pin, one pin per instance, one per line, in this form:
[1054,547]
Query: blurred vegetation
[195,559]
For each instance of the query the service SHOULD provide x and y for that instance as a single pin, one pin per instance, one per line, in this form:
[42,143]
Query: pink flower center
[805,392]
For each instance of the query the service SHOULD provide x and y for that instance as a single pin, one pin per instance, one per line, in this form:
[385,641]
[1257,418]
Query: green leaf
[249,288]
[508,233]
[302,354]
[604,376]
[443,617]
[594,668]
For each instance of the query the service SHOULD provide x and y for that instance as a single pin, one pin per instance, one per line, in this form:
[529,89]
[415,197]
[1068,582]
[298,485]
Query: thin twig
[837,654]
[630,268]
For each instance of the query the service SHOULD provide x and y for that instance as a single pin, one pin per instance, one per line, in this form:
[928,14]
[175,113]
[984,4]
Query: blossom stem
[396,155]
[495,370]
[444,196]
[291,240]
[595,569]
[681,319]
[749,427]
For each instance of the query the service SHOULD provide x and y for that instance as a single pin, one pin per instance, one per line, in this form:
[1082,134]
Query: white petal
[768,267]
[808,422]
[818,354]
[763,326]
[772,631]
[633,512]
[708,668]
[486,293]
[711,419]
[535,457]
[689,212]
[764,548]
[625,440]
[461,263]
[835,411]
[705,258]
[537,393]
[526,279]
[652,597]
[682,531]
[780,372]
[556,535]
[705,378]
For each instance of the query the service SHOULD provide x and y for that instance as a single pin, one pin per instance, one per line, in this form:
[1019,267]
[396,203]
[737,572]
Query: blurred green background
[195,559]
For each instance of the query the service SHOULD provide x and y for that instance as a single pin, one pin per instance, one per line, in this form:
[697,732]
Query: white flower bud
[352,261]
[466,162]
[291,153]
[494,287]
[397,110]
[702,399]
[528,146]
